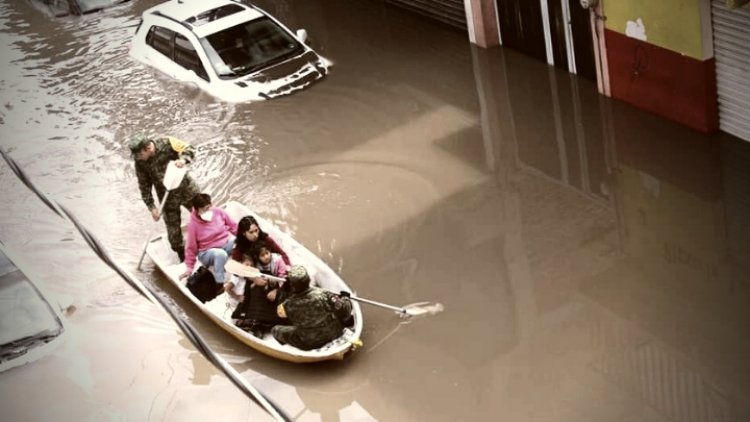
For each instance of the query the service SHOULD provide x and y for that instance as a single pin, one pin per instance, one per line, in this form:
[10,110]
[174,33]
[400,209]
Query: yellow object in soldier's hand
[177,144]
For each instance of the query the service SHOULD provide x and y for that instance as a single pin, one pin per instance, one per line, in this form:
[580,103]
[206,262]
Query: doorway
[521,27]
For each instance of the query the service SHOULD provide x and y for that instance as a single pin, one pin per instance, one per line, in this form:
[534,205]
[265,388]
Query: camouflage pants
[305,338]
[172,218]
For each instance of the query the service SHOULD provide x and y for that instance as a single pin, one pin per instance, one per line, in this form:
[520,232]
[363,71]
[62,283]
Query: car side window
[186,56]
[62,7]
[161,40]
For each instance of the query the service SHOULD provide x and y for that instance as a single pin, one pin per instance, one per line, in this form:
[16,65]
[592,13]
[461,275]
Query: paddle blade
[421,309]
[174,175]
[239,269]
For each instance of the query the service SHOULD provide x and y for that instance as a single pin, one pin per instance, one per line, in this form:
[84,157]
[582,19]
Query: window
[62,7]
[249,46]
[88,6]
[186,56]
[161,40]
[26,318]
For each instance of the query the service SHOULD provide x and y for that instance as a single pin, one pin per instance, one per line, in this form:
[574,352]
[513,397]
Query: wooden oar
[172,179]
[237,268]
[414,309]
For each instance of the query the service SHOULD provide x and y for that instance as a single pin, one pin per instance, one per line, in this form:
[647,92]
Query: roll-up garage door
[731,29]
[447,11]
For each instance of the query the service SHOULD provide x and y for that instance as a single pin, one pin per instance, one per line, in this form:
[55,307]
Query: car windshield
[87,6]
[26,318]
[247,47]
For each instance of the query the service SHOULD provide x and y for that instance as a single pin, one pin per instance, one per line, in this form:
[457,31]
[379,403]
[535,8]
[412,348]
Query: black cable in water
[190,332]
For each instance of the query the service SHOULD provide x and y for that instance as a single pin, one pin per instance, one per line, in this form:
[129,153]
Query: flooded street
[592,258]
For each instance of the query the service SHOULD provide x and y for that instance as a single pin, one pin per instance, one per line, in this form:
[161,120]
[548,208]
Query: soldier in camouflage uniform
[151,159]
[311,312]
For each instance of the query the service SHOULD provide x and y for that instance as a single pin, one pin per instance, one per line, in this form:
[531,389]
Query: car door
[160,49]
[192,67]
[174,54]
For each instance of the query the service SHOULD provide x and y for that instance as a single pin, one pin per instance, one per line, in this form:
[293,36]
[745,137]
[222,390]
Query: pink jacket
[276,267]
[204,235]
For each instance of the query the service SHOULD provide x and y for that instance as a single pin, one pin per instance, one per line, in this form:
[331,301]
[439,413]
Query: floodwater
[592,259]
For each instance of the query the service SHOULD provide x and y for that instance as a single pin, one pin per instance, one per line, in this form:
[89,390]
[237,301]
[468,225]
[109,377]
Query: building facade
[684,60]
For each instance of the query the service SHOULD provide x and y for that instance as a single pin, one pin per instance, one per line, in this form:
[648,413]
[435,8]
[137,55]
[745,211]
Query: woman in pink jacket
[210,237]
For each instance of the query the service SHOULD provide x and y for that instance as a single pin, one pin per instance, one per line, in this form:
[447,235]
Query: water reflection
[591,258]
[633,277]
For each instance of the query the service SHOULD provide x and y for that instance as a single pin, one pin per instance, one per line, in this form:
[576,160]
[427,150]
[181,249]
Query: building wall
[671,24]
[660,58]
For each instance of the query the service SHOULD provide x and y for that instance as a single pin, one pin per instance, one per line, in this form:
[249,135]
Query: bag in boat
[341,306]
[256,312]
[202,285]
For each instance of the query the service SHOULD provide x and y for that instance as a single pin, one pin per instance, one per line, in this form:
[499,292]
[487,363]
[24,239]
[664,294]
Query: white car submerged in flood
[30,326]
[59,8]
[228,48]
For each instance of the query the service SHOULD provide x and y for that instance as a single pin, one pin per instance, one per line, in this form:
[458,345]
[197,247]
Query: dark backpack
[203,285]
[341,306]
[257,308]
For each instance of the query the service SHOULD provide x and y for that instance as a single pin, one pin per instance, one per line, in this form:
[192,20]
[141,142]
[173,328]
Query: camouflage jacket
[151,172]
[312,309]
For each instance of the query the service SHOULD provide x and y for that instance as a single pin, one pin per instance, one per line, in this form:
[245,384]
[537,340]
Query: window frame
[203,73]
[151,34]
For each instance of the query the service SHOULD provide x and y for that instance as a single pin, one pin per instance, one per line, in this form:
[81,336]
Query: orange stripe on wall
[666,83]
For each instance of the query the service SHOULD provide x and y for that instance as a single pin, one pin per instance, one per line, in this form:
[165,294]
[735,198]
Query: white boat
[219,310]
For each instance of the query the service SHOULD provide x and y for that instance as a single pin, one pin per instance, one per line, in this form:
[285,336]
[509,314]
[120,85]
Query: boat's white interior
[321,275]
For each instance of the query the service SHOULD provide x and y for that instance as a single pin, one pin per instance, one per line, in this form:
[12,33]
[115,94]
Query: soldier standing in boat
[317,316]
[151,159]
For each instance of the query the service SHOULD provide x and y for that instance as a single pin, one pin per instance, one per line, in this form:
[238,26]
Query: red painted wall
[663,82]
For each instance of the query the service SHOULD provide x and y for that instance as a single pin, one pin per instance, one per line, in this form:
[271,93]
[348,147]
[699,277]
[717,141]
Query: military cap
[136,143]
[298,278]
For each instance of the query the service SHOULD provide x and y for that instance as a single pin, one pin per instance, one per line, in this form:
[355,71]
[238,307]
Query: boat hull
[219,310]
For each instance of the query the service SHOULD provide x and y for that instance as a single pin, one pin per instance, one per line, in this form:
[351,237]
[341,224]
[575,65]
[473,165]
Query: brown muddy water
[592,259]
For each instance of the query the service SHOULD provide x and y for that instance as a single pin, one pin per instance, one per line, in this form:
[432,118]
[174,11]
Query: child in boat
[248,234]
[257,311]
[270,263]
[235,287]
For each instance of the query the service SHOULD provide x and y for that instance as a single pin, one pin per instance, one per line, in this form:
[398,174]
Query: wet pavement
[592,258]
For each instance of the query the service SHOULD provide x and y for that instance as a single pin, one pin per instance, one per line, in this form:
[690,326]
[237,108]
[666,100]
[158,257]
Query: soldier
[151,159]
[312,312]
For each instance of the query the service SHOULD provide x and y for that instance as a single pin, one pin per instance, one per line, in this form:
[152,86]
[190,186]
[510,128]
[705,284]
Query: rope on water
[190,332]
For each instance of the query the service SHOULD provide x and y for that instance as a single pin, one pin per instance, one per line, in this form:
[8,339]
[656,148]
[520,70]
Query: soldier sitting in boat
[317,316]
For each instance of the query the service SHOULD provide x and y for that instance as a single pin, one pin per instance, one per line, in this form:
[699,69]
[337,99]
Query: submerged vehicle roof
[207,17]
[30,324]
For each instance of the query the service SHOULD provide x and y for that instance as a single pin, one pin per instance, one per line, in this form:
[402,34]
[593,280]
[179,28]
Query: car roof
[182,10]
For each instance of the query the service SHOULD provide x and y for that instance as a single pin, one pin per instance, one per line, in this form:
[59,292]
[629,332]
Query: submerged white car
[59,8]
[30,326]
[230,49]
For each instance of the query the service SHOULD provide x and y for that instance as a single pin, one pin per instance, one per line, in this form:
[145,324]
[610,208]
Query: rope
[190,332]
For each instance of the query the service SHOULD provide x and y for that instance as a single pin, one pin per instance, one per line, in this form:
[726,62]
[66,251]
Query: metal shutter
[447,11]
[732,52]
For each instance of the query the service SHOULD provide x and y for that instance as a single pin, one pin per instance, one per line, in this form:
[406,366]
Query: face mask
[206,216]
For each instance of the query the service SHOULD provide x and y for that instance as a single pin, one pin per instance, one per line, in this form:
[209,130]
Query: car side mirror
[65,304]
[302,35]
